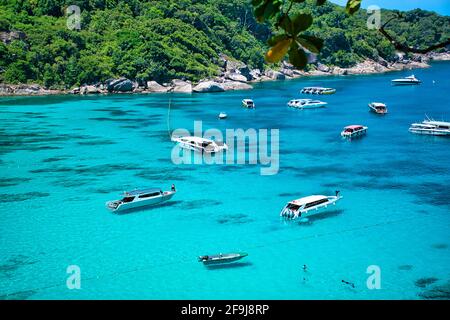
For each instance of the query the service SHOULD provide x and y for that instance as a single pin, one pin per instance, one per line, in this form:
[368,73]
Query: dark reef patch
[55,159]
[196,204]
[437,292]
[21,295]
[96,142]
[13,263]
[424,282]
[17,197]
[234,219]
[440,246]
[96,170]
[405,267]
[10,182]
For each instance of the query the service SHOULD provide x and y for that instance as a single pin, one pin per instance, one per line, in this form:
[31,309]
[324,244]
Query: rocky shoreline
[234,75]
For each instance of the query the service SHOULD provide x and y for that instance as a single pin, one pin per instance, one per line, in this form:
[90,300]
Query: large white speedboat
[140,198]
[248,103]
[353,131]
[431,127]
[318,90]
[306,103]
[300,207]
[378,107]
[407,80]
[200,144]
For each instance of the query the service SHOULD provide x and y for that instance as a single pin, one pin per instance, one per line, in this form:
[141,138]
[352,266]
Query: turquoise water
[62,158]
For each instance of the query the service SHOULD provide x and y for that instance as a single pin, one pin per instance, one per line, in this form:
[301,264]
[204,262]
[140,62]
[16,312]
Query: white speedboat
[200,144]
[248,103]
[431,127]
[306,103]
[318,90]
[300,207]
[378,107]
[407,80]
[223,115]
[353,131]
[222,258]
[140,198]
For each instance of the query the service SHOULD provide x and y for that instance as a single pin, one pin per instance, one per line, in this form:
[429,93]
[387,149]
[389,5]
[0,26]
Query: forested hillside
[167,39]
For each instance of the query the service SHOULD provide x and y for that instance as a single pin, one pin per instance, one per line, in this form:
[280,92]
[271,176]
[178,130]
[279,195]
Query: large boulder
[236,77]
[181,86]
[275,75]
[255,74]
[323,67]
[89,90]
[235,85]
[119,85]
[8,36]
[233,66]
[288,72]
[153,86]
[208,86]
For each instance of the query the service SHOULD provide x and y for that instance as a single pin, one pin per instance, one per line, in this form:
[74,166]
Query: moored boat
[406,81]
[248,103]
[223,115]
[354,131]
[140,198]
[222,258]
[300,207]
[306,104]
[378,107]
[318,90]
[431,127]
[200,144]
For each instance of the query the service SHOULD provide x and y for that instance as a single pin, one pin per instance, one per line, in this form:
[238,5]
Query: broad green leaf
[301,22]
[353,6]
[311,43]
[297,56]
[256,2]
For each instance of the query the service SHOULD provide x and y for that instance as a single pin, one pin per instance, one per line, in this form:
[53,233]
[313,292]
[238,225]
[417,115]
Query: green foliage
[143,40]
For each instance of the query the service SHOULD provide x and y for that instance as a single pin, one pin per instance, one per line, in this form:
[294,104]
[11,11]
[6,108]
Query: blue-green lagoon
[63,157]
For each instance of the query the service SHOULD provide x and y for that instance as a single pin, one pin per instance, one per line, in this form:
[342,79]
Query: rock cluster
[234,75]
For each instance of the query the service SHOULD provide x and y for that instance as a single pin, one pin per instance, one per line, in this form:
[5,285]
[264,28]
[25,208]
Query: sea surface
[63,157]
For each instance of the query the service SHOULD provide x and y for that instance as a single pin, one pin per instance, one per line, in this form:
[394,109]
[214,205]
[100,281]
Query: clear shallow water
[62,158]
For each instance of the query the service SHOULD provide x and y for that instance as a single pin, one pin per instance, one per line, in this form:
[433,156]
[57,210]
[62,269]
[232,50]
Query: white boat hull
[430,132]
[290,214]
[167,195]
[310,106]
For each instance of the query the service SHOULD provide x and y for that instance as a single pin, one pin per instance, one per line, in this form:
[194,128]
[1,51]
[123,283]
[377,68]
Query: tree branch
[404,48]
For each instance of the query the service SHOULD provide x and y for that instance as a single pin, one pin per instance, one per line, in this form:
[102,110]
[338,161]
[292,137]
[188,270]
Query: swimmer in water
[349,283]
[305,267]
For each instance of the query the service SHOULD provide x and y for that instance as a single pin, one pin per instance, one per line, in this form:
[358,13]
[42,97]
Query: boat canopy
[300,202]
[143,191]
[353,127]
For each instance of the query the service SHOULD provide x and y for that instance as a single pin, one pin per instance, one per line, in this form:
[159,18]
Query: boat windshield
[292,206]
[316,203]
[127,199]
